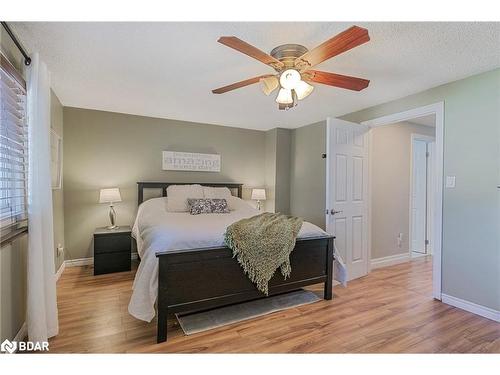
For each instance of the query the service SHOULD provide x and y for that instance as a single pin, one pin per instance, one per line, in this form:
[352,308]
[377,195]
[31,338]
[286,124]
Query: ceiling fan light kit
[292,63]
[303,89]
[289,79]
[269,84]
[284,96]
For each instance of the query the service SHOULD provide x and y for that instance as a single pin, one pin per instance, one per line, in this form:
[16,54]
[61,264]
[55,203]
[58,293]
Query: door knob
[333,212]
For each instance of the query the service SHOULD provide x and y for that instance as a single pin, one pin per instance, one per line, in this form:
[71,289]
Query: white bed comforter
[157,230]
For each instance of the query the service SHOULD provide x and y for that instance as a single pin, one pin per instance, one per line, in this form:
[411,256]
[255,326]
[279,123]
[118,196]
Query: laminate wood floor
[389,311]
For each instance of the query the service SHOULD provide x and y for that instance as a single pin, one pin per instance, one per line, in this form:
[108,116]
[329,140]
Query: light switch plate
[450,182]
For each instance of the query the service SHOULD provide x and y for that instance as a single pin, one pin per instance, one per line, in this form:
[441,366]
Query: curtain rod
[27,59]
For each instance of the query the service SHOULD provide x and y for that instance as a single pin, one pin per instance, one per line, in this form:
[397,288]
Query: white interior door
[422,196]
[419,196]
[347,193]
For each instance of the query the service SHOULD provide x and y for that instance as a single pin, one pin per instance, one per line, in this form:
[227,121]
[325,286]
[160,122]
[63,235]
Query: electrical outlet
[400,239]
[60,250]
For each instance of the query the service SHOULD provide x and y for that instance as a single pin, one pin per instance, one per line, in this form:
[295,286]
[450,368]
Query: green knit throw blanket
[263,243]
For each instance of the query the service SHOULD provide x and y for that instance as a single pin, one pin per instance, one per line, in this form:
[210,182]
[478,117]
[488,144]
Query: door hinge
[427,154]
[426,242]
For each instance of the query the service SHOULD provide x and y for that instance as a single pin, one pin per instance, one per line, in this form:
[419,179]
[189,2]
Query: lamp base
[112,218]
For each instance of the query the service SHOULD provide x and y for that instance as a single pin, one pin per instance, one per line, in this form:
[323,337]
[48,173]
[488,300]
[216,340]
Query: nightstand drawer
[112,262]
[112,243]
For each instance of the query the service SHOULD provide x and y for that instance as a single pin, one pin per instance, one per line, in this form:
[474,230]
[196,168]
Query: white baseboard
[418,255]
[390,260]
[86,261]
[61,269]
[79,262]
[474,308]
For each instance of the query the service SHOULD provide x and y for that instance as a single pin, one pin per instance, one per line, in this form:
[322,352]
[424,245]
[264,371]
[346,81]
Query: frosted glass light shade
[110,195]
[284,97]
[303,89]
[269,84]
[289,79]
[259,194]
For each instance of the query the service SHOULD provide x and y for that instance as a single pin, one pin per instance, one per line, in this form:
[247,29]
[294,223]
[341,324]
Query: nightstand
[112,249]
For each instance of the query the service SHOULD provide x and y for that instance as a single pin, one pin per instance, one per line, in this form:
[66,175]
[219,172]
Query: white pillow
[178,195]
[219,193]
[238,204]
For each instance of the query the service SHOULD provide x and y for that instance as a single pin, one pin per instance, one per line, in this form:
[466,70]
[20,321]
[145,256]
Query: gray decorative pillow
[207,206]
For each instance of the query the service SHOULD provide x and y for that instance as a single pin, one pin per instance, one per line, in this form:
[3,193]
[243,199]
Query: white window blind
[13,151]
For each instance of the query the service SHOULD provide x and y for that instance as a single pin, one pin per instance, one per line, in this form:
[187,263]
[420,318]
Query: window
[13,151]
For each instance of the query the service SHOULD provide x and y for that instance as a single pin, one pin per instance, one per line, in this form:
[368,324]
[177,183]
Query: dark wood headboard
[238,188]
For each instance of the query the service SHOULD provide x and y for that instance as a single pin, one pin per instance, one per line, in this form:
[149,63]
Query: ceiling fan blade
[337,80]
[346,40]
[237,85]
[248,49]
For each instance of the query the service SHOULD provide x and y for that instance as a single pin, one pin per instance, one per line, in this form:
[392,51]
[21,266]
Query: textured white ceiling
[168,69]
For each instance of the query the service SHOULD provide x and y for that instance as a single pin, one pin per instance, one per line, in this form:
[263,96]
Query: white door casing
[347,193]
[431,180]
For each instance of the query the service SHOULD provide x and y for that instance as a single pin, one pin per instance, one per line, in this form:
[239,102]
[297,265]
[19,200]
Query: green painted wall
[270,170]
[471,223]
[283,169]
[308,173]
[104,149]
[13,287]
[278,170]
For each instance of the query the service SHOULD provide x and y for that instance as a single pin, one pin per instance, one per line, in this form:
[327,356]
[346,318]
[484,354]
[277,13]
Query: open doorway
[365,204]
[401,198]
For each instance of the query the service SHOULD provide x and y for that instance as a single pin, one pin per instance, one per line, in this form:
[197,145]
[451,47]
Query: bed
[186,267]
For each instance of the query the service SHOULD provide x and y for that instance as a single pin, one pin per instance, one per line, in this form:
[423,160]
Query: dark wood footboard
[200,279]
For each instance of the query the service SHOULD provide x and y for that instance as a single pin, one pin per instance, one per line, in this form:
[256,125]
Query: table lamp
[110,196]
[259,195]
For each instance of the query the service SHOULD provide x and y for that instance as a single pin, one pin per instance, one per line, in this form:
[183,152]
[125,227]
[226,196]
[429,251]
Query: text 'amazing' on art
[190,161]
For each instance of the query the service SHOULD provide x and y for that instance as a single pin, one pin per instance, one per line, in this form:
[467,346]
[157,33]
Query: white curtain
[41,314]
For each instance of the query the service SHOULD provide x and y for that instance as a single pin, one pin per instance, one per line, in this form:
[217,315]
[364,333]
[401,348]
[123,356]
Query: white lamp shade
[284,97]
[269,84]
[289,79]
[259,194]
[303,89]
[110,195]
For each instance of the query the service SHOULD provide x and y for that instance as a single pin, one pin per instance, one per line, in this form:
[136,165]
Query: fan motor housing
[287,53]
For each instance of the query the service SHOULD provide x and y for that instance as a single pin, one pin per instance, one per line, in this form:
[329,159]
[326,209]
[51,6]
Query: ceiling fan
[293,63]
